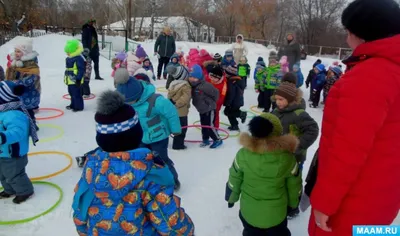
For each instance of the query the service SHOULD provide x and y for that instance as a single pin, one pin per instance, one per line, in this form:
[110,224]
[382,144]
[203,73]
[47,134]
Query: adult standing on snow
[239,48]
[90,43]
[358,160]
[291,50]
[164,47]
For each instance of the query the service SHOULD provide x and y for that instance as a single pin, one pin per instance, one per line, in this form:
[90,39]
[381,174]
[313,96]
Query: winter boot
[22,198]
[184,147]
[68,108]
[216,144]
[98,78]
[81,160]
[243,117]
[4,195]
[205,143]
[233,128]
[158,77]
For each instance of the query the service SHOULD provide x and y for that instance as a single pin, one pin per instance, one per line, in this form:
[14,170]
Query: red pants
[216,123]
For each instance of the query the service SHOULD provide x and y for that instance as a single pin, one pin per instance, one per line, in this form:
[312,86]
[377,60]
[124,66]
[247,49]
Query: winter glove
[292,212]
[86,52]
[304,202]
[172,101]
[230,205]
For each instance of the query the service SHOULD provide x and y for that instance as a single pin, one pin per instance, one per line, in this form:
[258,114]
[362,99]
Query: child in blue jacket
[158,116]
[300,77]
[74,73]
[16,127]
[125,189]
[317,84]
[228,60]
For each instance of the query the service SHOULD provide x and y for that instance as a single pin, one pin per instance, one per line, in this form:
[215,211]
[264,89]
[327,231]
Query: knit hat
[178,72]
[117,124]
[320,67]
[372,20]
[25,45]
[216,71]
[290,78]
[196,72]
[317,62]
[337,70]
[262,67]
[140,53]
[175,55]
[261,63]
[10,92]
[231,71]
[144,75]
[229,53]
[273,56]
[121,56]
[259,59]
[72,46]
[217,57]
[287,90]
[128,86]
[266,125]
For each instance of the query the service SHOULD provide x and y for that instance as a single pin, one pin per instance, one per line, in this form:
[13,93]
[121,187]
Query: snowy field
[203,172]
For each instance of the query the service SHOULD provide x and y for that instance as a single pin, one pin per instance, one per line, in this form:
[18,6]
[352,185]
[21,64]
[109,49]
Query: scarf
[18,105]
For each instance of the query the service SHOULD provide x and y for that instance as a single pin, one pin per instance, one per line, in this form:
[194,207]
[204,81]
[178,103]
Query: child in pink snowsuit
[118,61]
[284,64]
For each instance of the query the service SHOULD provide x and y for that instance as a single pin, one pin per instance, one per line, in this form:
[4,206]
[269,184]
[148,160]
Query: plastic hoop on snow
[162,90]
[21,221]
[49,139]
[252,114]
[57,172]
[60,113]
[253,109]
[222,135]
[204,126]
[68,97]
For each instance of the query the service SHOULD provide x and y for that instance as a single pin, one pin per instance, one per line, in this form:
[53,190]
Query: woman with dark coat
[91,43]
[292,51]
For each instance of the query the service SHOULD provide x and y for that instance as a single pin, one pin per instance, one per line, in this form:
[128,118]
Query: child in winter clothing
[205,97]
[265,177]
[118,61]
[141,53]
[157,115]
[143,75]
[217,58]
[260,64]
[125,189]
[284,64]
[193,57]
[228,59]
[74,73]
[148,66]
[311,76]
[244,70]
[267,81]
[174,62]
[16,127]
[334,74]
[133,63]
[292,78]
[180,94]
[2,75]
[234,98]
[300,77]
[181,54]
[318,84]
[295,121]
[85,89]
[25,71]
[215,75]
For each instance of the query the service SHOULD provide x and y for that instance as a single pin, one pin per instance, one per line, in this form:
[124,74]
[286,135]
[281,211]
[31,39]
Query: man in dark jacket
[90,42]
[292,51]
[165,48]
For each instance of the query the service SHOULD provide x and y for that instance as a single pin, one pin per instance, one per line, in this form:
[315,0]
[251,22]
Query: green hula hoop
[252,114]
[222,135]
[26,220]
[162,90]
[49,139]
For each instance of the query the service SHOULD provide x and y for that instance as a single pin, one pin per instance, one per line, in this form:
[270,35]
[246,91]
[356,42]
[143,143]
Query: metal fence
[314,50]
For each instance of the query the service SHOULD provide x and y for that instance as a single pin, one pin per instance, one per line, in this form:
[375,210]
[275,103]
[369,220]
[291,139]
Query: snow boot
[233,128]
[158,77]
[98,78]
[68,108]
[4,195]
[216,144]
[81,160]
[22,198]
[205,143]
[243,117]
[180,148]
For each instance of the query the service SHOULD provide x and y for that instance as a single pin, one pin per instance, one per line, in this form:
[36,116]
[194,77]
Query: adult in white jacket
[239,48]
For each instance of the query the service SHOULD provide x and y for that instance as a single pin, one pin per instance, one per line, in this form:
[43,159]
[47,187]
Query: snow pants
[264,100]
[13,176]
[179,140]
[233,113]
[316,96]
[279,230]
[219,106]
[162,62]
[208,119]
[85,89]
[76,97]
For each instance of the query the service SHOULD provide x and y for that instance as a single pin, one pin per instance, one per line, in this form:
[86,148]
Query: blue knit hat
[196,72]
[10,91]
[320,67]
[337,70]
[229,53]
[260,59]
[128,86]
[296,66]
[175,55]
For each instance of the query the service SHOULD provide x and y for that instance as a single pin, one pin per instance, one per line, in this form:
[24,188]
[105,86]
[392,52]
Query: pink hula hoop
[204,126]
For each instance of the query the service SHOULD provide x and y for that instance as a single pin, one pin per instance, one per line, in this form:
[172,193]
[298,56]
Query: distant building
[184,28]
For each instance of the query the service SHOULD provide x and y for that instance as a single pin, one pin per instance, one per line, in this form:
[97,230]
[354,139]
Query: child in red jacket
[215,75]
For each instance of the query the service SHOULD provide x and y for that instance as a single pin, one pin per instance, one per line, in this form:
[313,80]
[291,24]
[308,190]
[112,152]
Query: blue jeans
[161,148]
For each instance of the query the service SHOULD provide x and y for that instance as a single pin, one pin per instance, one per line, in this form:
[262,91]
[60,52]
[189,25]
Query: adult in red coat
[359,155]
[215,75]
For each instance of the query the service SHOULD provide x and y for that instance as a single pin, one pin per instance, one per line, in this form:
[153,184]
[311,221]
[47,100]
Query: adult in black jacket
[90,43]
[165,48]
[291,50]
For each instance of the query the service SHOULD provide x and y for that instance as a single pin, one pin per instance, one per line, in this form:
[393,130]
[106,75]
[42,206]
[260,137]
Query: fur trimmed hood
[282,143]
[28,57]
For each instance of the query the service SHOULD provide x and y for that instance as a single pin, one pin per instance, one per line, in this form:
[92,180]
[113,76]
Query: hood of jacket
[28,57]
[240,35]
[148,90]
[287,143]
[177,84]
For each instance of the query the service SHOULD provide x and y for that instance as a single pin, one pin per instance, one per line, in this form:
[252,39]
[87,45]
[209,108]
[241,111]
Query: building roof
[159,22]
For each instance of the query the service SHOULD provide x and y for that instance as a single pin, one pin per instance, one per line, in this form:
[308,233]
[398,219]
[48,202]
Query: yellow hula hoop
[162,90]
[57,172]
[254,110]
[49,139]
[222,135]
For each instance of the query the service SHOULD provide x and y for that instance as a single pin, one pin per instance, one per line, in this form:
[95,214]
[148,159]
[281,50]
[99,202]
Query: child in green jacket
[265,176]
[244,70]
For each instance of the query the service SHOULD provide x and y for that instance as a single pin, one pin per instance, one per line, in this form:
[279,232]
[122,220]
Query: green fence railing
[131,46]
[105,49]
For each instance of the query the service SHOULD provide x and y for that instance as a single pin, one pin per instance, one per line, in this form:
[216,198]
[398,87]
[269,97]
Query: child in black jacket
[311,76]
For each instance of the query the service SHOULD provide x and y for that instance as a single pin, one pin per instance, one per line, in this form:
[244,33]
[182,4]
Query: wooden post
[320,50]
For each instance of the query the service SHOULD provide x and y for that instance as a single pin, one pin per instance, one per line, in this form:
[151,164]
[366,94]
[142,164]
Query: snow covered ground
[203,172]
